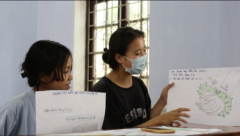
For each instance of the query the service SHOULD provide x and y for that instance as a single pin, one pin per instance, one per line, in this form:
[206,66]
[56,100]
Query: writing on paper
[80,118]
[187,74]
[58,110]
[74,93]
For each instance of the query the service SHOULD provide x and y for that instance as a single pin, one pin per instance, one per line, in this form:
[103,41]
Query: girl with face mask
[128,103]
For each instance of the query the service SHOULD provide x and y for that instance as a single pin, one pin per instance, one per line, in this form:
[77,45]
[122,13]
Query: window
[103,18]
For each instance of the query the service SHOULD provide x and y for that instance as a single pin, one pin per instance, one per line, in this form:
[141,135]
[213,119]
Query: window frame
[90,27]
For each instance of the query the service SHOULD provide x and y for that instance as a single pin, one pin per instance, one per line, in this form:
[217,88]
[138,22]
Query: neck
[40,88]
[120,77]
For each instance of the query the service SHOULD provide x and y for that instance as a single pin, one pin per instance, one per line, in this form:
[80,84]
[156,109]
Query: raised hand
[164,94]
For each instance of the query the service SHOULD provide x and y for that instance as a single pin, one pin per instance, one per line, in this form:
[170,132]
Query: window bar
[131,21]
[111,17]
[95,36]
[88,36]
[87,44]
[119,13]
[124,11]
[91,44]
[106,35]
[141,12]
[116,6]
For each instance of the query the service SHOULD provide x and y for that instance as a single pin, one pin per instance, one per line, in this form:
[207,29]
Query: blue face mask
[138,65]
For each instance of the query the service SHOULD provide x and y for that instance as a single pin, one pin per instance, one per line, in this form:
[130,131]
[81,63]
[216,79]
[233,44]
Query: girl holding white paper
[47,66]
[128,103]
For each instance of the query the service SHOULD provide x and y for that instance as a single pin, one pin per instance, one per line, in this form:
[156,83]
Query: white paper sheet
[69,111]
[138,132]
[212,94]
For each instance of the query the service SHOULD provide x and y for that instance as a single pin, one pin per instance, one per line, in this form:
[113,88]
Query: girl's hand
[172,117]
[164,94]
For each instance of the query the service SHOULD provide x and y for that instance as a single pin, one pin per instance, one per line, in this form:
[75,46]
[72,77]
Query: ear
[45,79]
[119,58]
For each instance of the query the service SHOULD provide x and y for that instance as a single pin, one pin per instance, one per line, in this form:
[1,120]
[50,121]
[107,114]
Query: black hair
[118,43]
[44,58]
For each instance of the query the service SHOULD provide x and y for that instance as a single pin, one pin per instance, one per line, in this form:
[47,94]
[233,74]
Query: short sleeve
[7,121]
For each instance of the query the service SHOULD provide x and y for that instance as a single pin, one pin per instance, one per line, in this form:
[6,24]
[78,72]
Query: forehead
[136,44]
[69,61]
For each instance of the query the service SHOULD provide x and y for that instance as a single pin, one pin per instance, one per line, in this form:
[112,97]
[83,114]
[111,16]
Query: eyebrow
[68,67]
[139,49]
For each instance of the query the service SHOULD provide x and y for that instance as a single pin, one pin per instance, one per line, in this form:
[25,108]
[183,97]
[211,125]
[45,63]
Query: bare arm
[157,109]
[168,118]
[161,103]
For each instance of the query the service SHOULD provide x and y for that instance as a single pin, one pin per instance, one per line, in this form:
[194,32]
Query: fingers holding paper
[164,94]
[174,116]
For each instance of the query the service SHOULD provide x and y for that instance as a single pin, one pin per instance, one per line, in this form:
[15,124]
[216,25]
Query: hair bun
[105,55]
[105,49]
[24,75]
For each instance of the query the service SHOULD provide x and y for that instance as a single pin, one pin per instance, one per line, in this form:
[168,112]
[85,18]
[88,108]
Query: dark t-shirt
[125,107]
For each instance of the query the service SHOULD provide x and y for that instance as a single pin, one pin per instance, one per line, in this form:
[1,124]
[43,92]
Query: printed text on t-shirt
[134,114]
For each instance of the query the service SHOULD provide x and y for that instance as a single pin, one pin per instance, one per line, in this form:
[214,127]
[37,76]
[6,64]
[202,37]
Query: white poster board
[212,94]
[69,111]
